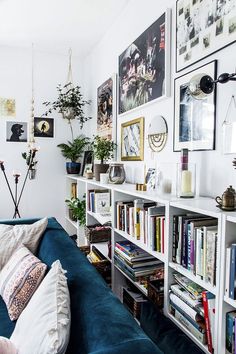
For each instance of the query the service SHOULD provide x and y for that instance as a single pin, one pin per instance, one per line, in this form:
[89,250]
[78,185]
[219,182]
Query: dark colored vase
[73,167]
[100,168]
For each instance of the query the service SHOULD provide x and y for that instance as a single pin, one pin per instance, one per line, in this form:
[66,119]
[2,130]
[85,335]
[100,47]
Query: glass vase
[186,180]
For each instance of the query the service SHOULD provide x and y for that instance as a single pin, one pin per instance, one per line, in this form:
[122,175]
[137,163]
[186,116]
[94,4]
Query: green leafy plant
[78,209]
[70,103]
[73,150]
[29,159]
[103,148]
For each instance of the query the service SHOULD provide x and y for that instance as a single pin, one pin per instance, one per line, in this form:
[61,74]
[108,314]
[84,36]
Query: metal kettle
[228,199]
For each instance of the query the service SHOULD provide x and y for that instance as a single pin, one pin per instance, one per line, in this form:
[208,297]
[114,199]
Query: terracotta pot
[100,168]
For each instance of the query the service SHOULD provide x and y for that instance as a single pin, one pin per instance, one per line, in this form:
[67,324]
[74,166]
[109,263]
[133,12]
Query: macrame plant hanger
[69,113]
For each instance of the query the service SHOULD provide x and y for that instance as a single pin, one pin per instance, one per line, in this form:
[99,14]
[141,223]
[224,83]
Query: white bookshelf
[173,206]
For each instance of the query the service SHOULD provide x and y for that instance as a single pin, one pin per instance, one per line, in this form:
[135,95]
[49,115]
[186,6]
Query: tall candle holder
[186,177]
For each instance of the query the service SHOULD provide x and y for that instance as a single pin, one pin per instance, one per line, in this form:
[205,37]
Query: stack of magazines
[135,262]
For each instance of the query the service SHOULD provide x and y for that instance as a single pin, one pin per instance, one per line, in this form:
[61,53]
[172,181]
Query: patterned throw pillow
[6,346]
[19,279]
[12,237]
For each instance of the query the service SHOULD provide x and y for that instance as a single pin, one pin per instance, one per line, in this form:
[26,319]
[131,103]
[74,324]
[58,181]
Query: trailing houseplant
[103,150]
[77,209]
[73,151]
[70,104]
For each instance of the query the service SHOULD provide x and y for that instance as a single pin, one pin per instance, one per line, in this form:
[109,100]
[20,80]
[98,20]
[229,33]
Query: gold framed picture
[132,140]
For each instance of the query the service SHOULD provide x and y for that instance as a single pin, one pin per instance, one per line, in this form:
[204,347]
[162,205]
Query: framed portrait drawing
[132,140]
[145,65]
[106,109]
[43,127]
[202,28]
[194,125]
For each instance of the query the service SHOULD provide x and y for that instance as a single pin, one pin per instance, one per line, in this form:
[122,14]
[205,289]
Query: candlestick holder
[186,180]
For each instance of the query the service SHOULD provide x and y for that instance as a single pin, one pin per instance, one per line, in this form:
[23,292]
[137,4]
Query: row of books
[230,332]
[230,276]
[195,245]
[99,201]
[145,221]
[137,264]
[194,308]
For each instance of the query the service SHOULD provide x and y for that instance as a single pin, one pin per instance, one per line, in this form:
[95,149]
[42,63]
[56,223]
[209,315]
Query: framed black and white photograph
[194,126]
[43,127]
[202,28]
[16,132]
[87,162]
[145,65]
[106,109]
[132,140]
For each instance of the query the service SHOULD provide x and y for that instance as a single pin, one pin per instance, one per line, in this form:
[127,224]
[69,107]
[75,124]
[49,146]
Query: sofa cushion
[12,236]
[168,337]
[19,279]
[99,322]
[46,319]
[6,346]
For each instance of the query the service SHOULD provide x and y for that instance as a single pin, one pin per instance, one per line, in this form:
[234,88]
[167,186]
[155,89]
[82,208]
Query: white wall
[45,195]
[215,171]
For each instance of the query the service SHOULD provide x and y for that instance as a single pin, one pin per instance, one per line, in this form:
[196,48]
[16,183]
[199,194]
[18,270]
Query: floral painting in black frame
[202,28]
[194,125]
[144,67]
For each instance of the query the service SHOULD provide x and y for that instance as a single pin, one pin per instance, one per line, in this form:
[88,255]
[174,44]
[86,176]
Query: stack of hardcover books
[145,221]
[194,308]
[137,264]
[195,245]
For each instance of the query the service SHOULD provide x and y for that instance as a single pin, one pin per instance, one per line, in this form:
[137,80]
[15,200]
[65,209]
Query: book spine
[198,252]
[158,236]
[207,321]
[229,332]
[189,231]
[227,274]
[184,245]
[232,272]
[204,264]
[192,248]
[163,234]
[189,326]
[174,238]
[146,227]
[179,247]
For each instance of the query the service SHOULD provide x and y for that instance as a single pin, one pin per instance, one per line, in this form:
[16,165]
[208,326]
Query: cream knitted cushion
[46,318]
[6,346]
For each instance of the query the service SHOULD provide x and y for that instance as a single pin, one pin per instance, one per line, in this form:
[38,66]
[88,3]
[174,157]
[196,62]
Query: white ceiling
[57,25]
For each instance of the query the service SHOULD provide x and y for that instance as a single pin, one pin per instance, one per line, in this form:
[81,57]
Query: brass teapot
[228,200]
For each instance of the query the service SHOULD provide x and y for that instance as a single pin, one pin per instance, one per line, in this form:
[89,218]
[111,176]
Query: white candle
[186,182]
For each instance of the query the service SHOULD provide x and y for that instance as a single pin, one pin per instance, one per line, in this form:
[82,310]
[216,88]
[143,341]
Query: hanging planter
[32,173]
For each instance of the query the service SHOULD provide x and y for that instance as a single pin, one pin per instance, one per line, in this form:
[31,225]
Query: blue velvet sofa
[99,322]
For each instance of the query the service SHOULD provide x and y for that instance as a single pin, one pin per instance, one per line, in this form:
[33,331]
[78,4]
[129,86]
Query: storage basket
[98,233]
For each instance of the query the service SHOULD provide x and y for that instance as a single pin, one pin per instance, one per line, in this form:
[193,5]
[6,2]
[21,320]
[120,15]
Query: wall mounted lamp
[202,85]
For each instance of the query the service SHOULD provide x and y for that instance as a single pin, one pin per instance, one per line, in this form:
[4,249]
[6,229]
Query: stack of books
[230,332]
[194,308]
[145,221]
[99,201]
[137,264]
[230,276]
[195,245]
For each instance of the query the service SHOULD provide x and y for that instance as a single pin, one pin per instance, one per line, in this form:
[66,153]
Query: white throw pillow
[11,237]
[6,346]
[46,318]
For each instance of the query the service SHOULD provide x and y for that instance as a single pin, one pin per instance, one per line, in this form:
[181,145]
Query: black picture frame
[209,37]
[87,159]
[144,67]
[190,130]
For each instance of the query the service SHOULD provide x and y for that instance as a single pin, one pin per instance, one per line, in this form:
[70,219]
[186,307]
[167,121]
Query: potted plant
[73,151]
[29,158]
[77,210]
[103,150]
[70,104]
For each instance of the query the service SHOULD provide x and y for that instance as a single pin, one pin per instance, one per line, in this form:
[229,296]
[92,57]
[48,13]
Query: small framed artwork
[16,132]
[194,126]
[106,109]
[132,140]
[87,162]
[43,127]
[151,179]
[202,28]
[7,107]
[145,65]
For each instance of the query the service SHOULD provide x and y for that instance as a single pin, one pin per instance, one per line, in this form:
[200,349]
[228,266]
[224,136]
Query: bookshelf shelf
[156,254]
[178,268]
[102,247]
[73,223]
[172,206]
[139,286]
